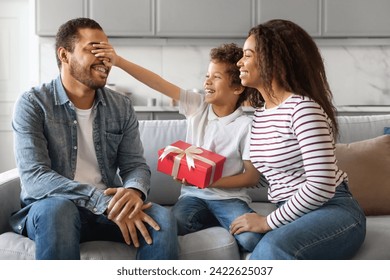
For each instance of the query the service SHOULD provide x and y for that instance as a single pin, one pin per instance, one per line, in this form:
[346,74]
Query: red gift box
[199,167]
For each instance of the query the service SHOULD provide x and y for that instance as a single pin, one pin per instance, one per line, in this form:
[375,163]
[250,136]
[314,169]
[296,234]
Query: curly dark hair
[68,34]
[288,55]
[230,54]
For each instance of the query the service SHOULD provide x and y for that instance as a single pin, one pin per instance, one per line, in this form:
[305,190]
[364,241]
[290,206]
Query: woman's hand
[252,222]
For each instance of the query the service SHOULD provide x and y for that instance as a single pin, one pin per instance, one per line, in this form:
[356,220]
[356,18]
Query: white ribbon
[191,153]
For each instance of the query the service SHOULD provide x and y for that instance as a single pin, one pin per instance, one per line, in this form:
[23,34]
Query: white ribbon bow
[191,153]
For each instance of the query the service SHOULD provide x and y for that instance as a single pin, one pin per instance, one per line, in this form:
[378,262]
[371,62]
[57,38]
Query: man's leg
[165,243]
[54,225]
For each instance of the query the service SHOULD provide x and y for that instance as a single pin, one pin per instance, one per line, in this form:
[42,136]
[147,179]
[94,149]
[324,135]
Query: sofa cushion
[377,236]
[367,164]
[214,243]
[14,246]
[359,128]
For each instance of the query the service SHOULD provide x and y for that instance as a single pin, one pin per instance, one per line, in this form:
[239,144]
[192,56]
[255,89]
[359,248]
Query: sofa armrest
[9,197]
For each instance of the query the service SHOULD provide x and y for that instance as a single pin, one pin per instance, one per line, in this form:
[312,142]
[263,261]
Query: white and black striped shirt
[293,146]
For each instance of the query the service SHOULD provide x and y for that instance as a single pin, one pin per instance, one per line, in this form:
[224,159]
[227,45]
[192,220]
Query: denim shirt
[45,141]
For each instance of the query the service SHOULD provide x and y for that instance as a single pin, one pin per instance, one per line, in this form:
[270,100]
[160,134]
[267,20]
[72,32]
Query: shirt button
[75,121]
[75,147]
[20,227]
[94,210]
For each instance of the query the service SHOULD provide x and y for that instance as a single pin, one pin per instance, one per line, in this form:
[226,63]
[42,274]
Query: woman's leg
[334,231]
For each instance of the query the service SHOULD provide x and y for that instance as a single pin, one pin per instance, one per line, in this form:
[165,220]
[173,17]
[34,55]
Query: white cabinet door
[204,18]
[356,18]
[305,13]
[124,18]
[50,14]
[15,77]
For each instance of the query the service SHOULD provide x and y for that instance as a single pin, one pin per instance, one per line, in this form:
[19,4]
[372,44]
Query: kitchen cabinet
[204,18]
[124,18]
[121,18]
[50,14]
[356,18]
[217,18]
[306,13]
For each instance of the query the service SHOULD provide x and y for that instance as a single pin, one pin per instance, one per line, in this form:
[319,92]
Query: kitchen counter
[363,110]
[172,112]
[171,109]
[156,108]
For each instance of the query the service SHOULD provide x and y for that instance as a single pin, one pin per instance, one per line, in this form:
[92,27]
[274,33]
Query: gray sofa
[367,162]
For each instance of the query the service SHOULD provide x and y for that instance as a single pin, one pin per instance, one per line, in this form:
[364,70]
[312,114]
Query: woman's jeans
[334,231]
[194,214]
[58,227]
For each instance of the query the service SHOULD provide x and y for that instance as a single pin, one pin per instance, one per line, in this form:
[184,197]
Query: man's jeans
[194,214]
[58,227]
[334,231]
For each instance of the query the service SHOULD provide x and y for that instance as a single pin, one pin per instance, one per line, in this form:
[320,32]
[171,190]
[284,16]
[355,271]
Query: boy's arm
[107,54]
[249,178]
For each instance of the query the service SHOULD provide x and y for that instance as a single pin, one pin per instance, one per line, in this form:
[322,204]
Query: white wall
[358,75]
[16,47]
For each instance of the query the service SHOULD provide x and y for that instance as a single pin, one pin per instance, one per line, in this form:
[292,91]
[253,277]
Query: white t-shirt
[87,168]
[228,136]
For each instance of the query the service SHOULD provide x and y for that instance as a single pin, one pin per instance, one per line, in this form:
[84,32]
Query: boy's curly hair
[230,54]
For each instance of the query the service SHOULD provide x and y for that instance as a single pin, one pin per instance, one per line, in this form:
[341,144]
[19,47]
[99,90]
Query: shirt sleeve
[190,102]
[134,171]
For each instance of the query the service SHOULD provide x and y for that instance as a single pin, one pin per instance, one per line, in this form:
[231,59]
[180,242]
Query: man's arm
[33,160]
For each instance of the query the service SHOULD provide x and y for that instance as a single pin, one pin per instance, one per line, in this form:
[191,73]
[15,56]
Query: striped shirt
[293,146]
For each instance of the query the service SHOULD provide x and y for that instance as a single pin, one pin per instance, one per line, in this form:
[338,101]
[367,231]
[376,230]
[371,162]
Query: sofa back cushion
[367,164]
[155,135]
[358,128]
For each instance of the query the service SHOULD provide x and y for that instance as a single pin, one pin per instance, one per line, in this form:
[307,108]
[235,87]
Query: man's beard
[84,77]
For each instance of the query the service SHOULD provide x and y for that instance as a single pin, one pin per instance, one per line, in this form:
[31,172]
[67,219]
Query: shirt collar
[227,119]
[61,97]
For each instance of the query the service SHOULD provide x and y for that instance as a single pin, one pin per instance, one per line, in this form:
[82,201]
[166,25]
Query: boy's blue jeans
[334,231]
[58,227]
[194,214]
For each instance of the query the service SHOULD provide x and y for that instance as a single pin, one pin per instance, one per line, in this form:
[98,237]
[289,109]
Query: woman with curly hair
[293,146]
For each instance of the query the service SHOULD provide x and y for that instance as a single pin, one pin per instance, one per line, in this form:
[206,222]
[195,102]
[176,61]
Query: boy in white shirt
[216,122]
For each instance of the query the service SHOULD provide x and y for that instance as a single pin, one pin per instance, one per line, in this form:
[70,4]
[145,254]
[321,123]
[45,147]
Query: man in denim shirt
[80,160]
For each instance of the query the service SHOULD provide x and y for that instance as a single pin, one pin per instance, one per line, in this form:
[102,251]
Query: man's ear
[62,55]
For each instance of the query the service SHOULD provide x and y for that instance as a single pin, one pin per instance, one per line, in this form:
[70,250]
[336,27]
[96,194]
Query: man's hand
[129,227]
[124,203]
